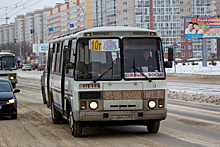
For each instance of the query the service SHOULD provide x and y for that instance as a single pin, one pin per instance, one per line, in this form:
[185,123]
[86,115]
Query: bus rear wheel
[153,126]
[75,126]
[56,116]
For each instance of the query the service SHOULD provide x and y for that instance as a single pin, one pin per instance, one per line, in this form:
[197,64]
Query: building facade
[69,17]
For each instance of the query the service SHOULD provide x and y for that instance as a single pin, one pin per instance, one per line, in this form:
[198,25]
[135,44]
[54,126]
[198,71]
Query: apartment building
[29,27]
[19,34]
[69,17]
[45,24]
[38,26]
[164,16]
[6,33]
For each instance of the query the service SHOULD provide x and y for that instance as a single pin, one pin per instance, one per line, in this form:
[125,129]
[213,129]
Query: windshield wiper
[103,74]
[138,70]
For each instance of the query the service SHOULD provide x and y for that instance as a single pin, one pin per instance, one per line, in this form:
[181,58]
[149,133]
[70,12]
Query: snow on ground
[194,70]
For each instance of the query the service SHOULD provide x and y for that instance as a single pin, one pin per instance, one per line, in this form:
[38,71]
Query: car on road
[8,101]
[26,67]
[41,67]
[33,67]
[43,87]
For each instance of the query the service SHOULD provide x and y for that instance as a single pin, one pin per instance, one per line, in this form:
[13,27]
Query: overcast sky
[23,6]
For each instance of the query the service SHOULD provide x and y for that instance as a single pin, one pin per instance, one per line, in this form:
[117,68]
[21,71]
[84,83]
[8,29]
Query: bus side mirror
[170,54]
[66,55]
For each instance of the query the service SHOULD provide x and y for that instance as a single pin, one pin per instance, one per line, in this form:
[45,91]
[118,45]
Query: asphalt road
[186,125]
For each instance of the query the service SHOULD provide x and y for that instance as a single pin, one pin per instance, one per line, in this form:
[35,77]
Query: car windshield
[7,62]
[5,86]
[143,56]
[98,59]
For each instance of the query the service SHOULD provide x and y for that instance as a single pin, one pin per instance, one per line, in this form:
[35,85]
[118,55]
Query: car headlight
[93,105]
[152,104]
[11,78]
[11,101]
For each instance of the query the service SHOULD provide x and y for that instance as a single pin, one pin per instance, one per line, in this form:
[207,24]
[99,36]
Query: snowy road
[186,125]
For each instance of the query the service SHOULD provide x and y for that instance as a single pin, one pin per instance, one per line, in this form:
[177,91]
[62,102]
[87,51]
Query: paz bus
[95,77]
[8,67]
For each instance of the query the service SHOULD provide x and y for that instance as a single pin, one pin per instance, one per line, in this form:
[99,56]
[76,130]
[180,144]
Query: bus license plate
[0,107]
[130,117]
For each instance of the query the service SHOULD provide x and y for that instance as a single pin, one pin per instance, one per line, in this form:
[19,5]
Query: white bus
[8,67]
[98,77]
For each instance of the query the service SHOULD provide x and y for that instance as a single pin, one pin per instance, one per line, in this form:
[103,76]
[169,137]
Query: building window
[181,10]
[182,40]
[181,17]
[188,9]
[125,18]
[189,47]
[125,25]
[125,3]
[188,2]
[182,47]
[175,54]
[125,11]
[181,2]
[189,40]
[189,54]
[182,54]
[182,32]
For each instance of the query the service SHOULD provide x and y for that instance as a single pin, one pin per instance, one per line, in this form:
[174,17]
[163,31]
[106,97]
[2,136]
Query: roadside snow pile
[29,78]
[196,69]
[194,97]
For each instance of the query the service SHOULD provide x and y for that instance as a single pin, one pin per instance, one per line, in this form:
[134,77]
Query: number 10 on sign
[96,45]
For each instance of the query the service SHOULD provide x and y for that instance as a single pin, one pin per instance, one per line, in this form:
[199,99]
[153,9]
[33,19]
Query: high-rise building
[69,17]
[19,28]
[29,27]
[38,26]
[45,24]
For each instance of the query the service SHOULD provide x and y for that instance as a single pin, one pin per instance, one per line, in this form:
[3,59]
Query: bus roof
[6,54]
[112,29]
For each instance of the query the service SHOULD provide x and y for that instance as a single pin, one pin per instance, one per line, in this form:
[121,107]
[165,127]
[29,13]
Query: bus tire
[75,126]
[13,85]
[44,96]
[56,116]
[153,126]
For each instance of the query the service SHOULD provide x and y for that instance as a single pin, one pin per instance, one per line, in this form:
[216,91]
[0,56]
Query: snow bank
[207,98]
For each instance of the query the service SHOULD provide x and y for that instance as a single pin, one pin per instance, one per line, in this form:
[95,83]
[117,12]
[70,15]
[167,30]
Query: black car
[43,87]
[8,101]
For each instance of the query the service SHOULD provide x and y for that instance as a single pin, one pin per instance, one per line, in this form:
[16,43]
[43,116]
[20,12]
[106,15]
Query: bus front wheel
[153,126]
[56,116]
[76,126]
[13,85]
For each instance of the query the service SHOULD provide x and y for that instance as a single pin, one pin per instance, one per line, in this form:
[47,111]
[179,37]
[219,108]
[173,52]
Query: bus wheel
[153,126]
[13,85]
[56,116]
[76,127]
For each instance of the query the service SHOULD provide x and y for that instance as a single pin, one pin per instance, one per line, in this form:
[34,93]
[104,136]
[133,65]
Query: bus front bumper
[122,115]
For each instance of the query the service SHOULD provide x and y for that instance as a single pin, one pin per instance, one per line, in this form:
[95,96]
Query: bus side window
[52,63]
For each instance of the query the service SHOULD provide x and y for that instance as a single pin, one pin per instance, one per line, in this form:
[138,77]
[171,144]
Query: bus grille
[133,94]
[90,95]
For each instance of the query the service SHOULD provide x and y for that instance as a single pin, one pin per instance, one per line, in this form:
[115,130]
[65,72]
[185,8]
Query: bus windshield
[143,56]
[7,62]
[98,59]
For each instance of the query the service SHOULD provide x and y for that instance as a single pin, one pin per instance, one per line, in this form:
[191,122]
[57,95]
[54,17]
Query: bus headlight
[152,104]
[11,78]
[11,101]
[93,105]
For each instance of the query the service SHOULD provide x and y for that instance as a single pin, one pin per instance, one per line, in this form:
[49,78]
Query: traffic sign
[32,31]
[174,45]
[71,25]
[51,29]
